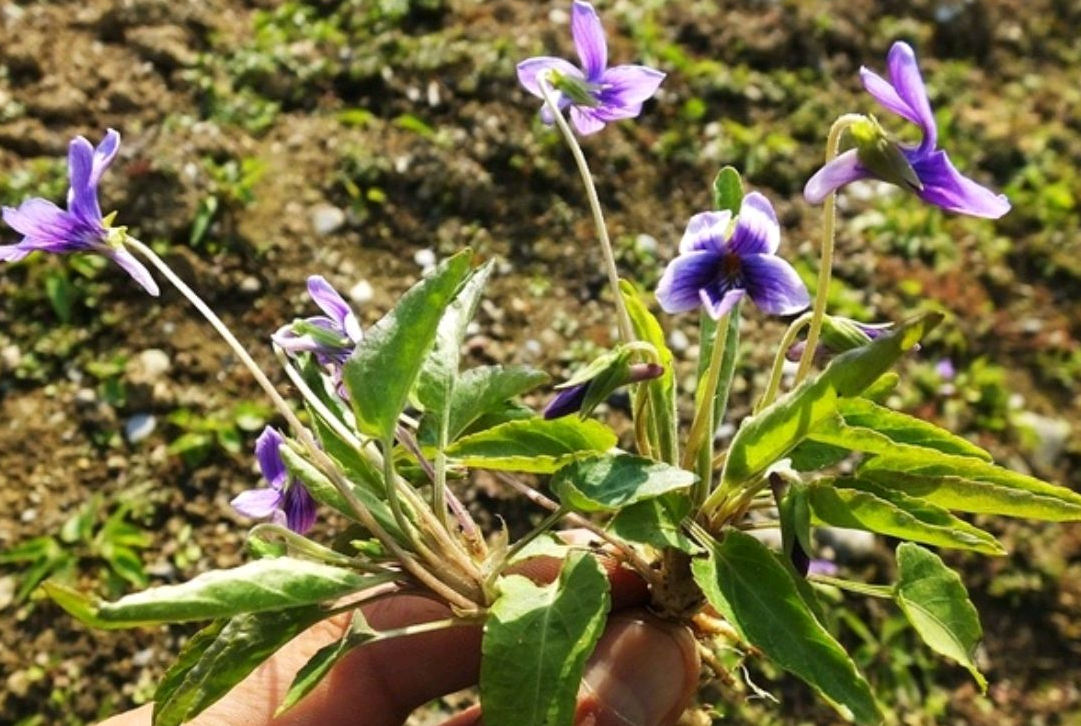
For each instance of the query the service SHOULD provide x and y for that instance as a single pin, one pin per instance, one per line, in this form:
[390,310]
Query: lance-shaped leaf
[263,585]
[656,522]
[901,517]
[217,662]
[612,481]
[780,427]
[385,365]
[477,392]
[435,384]
[532,445]
[969,485]
[936,603]
[661,391]
[536,641]
[860,413]
[758,594]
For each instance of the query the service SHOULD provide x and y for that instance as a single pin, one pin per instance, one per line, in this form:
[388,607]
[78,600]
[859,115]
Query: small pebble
[362,292]
[139,427]
[327,219]
[678,341]
[425,258]
[153,364]
[250,284]
[10,357]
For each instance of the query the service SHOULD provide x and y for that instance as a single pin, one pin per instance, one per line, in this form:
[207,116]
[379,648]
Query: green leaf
[656,522]
[758,594]
[867,427]
[901,517]
[609,482]
[533,445]
[436,382]
[385,365]
[320,664]
[795,514]
[263,585]
[727,190]
[324,491]
[536,641]
[776,430]
[480,391]
[238,649]
[661,390]
[188,657]
[969,485]
[936,603]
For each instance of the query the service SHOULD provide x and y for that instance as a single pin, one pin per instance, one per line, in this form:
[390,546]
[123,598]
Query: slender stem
[703,415]
[825,271]
[315,402]
[626,331]
[299,543]
[365,516]
[787,341]
[764,524]
[881,591]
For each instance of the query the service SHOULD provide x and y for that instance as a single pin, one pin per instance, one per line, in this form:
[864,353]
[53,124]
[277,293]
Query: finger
[644,672]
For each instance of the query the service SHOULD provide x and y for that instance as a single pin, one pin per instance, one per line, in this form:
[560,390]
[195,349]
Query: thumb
[643,672]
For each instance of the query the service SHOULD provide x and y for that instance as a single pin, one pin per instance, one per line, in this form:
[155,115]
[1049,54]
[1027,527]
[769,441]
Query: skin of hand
[644,671]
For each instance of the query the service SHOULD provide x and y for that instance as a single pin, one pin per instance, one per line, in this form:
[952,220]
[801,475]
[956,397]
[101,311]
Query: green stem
[787,342]
[703,415]
[544,526]
[881,591]
[825,271]
[626,331]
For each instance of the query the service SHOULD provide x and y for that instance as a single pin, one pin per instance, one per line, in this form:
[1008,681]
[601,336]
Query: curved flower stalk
[923,169]
[81,227]
[595,93]
[715,271]
[285,500]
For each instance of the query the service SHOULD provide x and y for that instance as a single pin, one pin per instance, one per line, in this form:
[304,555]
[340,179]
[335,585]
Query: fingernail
[643,673]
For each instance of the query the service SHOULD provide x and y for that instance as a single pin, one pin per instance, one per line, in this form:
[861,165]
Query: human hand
[642,673]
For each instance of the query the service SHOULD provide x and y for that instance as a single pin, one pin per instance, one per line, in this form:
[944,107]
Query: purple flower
[285,501]
[331,337]
[922,169]
[571,399]
[838,336]
[716,271]
[80,228]
[595,93]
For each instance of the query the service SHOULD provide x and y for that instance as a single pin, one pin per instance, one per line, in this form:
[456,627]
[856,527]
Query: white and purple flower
[924,169]
[330,337]
[285,501]
[81,227]
[715,271]
[595,93]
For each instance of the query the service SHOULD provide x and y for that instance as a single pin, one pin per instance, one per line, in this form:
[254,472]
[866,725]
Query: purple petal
[629,85]
[270,460]
[334,305]
[531,68]
[908,82]
[946,187]
[104,155]
[719,299]
[677,291]
[845,169]
[706,231]
[83,194]
[589,39]
[567,401]
[774,285]
[609,113]
[46,225]
[757,230]
[546,115]
[585,120]
[299,508]
[258,503]
[136,269]
[14,253]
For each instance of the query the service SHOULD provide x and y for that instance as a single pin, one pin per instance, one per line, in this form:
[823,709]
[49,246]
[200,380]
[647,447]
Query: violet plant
[672,509]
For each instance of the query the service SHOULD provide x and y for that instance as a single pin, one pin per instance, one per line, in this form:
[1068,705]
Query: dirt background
[361,139]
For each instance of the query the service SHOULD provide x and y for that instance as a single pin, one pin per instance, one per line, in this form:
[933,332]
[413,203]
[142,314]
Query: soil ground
[265,141]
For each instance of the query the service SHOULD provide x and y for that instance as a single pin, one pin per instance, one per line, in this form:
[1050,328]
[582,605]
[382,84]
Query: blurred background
[364,139]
